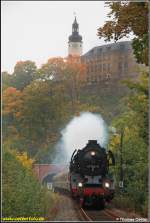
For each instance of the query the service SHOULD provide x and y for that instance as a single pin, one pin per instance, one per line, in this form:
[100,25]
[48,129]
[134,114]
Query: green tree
[134,121]
[12,99]
[24,73]
[22,193]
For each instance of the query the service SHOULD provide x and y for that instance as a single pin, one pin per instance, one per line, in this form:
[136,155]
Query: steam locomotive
[89,176]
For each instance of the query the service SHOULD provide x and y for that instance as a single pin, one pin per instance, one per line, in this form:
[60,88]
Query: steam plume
[77,133]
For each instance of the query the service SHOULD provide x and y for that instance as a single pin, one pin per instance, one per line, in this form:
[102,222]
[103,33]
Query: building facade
[111,61]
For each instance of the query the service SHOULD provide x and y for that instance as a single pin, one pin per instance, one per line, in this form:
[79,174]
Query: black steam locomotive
[89,176]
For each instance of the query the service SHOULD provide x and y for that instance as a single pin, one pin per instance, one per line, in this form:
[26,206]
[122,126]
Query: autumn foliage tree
[69,72]
[128,17]
[34,114]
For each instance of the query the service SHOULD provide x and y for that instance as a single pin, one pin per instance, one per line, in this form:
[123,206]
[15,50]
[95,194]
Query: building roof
[123,46]
[75,37]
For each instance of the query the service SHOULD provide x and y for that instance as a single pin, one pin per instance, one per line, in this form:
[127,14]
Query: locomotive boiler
[89,176]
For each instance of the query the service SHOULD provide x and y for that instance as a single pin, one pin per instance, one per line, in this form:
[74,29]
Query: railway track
[98,215]
[88,214]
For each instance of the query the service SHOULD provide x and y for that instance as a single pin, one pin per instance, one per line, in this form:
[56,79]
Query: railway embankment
[65,210]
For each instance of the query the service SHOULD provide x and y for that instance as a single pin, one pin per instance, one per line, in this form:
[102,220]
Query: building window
[95,67]
[104,56]
[108,76]
[104,67]
[100,67]
[108,67]
[99,58]
[120,66]
[109,57]
[87,69]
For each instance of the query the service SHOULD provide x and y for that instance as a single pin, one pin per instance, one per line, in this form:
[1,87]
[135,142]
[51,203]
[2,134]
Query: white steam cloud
[79,130]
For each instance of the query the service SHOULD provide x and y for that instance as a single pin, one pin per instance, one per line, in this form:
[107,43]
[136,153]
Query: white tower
[75,41]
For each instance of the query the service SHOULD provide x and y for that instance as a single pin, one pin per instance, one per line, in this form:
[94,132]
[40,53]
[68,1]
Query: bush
[123,202]
[23,196]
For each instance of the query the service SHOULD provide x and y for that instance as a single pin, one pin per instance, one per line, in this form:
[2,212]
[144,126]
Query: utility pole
[121,160]
[121,136]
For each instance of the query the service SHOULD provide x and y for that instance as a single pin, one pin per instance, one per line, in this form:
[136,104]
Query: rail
[98,215]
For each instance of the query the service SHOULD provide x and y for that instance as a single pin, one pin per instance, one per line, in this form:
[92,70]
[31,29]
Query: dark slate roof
[123,46]
[75,37]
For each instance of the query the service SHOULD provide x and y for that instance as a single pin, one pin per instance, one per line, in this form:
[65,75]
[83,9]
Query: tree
[24,159]
[53,69]
[23,195]
[134,121]
[12,99]
[33,116]
[70,73]
[128,17]
[6,80]
[24,73]
[39,116]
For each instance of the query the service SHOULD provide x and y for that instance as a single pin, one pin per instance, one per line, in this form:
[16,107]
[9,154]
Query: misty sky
[38,30]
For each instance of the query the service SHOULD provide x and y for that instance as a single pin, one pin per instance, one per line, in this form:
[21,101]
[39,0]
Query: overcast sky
[38,30]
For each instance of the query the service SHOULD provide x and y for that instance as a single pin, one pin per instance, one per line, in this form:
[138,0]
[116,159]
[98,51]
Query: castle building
[107,62]
[75,41]
[111,61]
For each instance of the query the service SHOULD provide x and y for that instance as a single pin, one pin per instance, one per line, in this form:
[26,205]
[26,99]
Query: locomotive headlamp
[80,184]
[93,153]
[107,185]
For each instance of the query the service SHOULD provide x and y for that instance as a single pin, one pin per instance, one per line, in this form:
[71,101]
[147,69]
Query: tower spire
[75,40]
[75,26]
[75,17]
[75,20]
